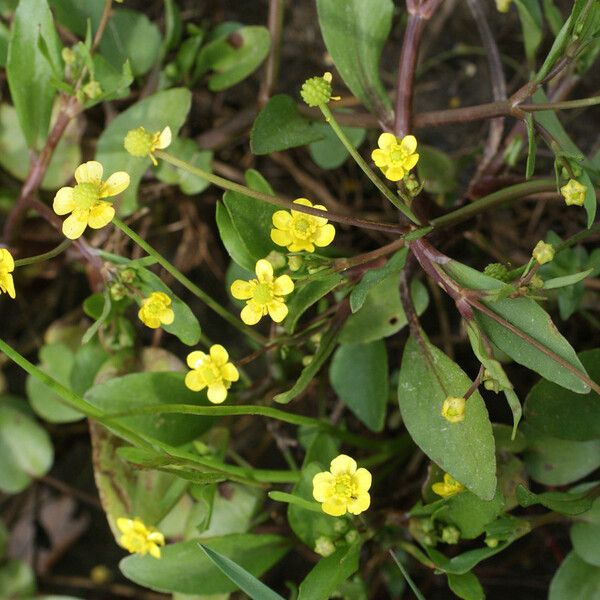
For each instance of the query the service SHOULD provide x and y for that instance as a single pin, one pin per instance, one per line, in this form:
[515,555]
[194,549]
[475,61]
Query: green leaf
[590,203]
[470,513]
[329,573]
[553,16]
[575,579]
[25,448]
[530,318]
[330,153]
[382,314]
[87,361]
[466,586]
[374,276]
[4,38]
[359,376]
[244,580]
[326,346]
[185,325]
[465,450]
[169,107]
[531,23]
[565,503]
[355,32]
[585,538]
[146,389]
[186,150]
[280,126]
[436,170]
[28,72]
[247,232]
[553,411]
[233,62]
[463,563]
[296,501]
[14,155]
[556,51]
[185,568]
[566,280]
[304,297]
[17,580]
[56,360]
[552,461]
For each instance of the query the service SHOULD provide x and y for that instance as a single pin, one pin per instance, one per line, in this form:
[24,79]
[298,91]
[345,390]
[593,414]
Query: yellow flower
[156,310]
[213,371]
[139,142]
[299,231]
[453,409]
[573,193]
[543,252]
[395,157]
[137,538]
[448,488]
[7,266]
[84,201]
[343,488]
[503,5]
[263,295]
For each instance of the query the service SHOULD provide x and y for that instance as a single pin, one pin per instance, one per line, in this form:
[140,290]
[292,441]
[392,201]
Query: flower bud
[324,546]
[453,409]
[543,253]
[317,90]
[450,535]
[497,271]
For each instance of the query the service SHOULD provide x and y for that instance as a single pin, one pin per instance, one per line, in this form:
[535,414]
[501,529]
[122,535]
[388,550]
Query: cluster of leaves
[160,451]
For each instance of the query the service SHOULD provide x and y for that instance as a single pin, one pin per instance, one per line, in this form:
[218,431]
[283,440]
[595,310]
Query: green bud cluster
[316,91]
[497,271]
[138,142]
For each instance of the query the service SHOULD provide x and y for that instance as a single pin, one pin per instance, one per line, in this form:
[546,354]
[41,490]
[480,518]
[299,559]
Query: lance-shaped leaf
[465,450]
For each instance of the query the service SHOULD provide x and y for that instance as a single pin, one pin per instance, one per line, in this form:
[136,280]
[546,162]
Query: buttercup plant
[319,331]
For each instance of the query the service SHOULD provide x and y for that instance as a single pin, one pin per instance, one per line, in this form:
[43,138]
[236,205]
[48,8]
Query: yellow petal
[301,245]
[101,214]
[164,140]
[334,507]
[167,316]
[386,140]
[75,225]
[118,182]
[395,173]
[6,260]
[380,157]
[342,464]
[124,525]
[322,486]
[283,285]
[410,162]
[149,320]
[161,297]
[229,372]
[154,551]
[360,504]
[281,219]
[264,271]
[251,315]
[242,290]
[217,393]
[9,284]
[89,172]
[409,144]
[363,478]
[63,201]
[194,381]
[325,235]
[218,354]
[281,238]
[277,311]
[195,359]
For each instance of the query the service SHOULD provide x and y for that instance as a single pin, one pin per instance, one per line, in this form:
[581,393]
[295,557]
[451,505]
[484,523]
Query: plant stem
[565,105]
[275,26]
[380,185]
[275,200]
[30,260]
[494,200]
[192,287]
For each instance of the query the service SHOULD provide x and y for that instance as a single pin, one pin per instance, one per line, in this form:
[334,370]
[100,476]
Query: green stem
[494,200]
[565,105]
[192,287]
[30,260]
[360,161]
[275,200]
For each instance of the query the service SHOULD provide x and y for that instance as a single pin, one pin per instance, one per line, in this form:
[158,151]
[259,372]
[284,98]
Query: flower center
[86,195]
[397,154]
[344,486]
[263,293]
[211,373]
[154,308]
[303,228]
